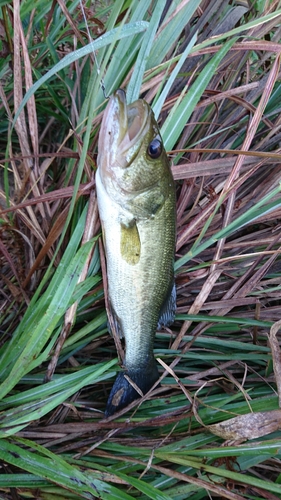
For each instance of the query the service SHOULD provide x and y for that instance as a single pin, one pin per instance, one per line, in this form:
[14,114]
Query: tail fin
[123,393]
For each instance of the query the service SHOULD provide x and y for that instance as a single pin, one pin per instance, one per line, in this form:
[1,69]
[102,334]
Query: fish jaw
[121,135]
[113,128]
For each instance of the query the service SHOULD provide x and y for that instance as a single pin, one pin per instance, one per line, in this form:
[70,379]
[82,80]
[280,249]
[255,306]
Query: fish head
[132,161]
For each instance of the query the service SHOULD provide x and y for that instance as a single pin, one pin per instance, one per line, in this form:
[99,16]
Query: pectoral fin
[130,245]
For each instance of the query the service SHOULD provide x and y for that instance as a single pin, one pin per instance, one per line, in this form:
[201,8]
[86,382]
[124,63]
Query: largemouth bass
[136,200]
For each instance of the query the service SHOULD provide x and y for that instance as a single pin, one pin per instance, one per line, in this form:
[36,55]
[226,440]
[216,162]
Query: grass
[211,71]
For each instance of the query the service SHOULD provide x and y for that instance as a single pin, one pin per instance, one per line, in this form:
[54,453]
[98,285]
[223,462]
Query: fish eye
[155,148]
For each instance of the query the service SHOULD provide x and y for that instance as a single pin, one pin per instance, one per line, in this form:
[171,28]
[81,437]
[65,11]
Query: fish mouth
[122,130]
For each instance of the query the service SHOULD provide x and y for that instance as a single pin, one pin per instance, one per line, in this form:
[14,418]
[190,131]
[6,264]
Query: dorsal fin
[168,310]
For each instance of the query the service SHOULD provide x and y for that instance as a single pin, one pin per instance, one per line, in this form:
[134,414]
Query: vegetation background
[211,71]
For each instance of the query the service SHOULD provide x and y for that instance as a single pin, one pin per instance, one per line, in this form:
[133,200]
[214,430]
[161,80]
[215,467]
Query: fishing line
[93,50]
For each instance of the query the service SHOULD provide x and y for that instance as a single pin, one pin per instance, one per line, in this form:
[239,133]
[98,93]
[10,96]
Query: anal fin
[116,324]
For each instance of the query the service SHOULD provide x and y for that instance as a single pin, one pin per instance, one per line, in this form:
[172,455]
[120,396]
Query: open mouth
[123,128]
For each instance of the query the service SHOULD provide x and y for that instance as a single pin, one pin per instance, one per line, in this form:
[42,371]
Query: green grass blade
[37,337]
[55,469]
[12,421]
[58,384]
[180,113]
[170,34]
[145,488]
[22,481]
[106,39]
[237,31]
[157,107]
[182,459]
[37,307]
[123,56]
[260,208]
[134,86]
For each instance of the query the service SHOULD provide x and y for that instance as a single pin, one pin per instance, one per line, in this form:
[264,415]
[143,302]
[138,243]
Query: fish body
[136,200]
